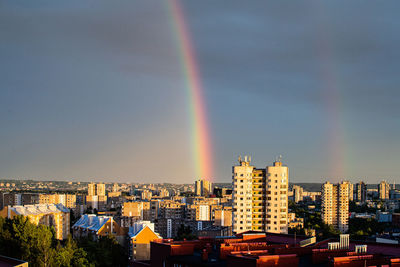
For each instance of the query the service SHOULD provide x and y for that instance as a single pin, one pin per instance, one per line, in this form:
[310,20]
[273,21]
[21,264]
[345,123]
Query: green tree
[184,232]
[104,252]
[70,254]
[19,238]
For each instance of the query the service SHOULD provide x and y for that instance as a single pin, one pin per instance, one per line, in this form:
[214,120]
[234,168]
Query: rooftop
[39,209]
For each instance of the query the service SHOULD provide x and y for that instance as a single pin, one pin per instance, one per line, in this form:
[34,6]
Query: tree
[19,238]
[184,232]
[104,252]
[71,255]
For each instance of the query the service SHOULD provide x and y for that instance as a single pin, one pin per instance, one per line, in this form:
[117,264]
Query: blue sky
[94,90]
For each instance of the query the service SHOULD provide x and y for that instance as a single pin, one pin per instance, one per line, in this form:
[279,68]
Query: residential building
[335,205]
[260,197]
[91,225]
[96,198]
[242,176]
[146,195]
[68,200]
[222,216]
[203,188]
[297,193]
[140,236]
[351,190]
[361,192]
[56,215]
[383,190]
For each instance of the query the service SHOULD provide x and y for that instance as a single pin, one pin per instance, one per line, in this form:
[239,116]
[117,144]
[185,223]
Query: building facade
[203,187]
[383,190]
[360,192]
[260,197]
[335,205]
[297,193]
[55,215]
[96,198]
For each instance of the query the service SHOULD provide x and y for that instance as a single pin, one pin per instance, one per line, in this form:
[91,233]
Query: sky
[94,90]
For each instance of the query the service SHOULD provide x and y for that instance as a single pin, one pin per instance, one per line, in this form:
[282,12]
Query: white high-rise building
[242,176]
[277,198]
[335,205]
[260,197]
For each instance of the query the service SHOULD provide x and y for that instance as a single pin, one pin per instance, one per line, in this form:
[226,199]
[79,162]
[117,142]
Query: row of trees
[21,239]
[312,220]
[359,228]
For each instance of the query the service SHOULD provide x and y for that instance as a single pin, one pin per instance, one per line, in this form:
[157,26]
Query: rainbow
[200,140]
[337,146]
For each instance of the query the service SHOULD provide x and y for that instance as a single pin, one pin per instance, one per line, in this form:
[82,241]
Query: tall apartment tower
[277,198]
[297,193]
[96,189]
[361,192]
[351,190]
[260,197]
[96,197]
[242,180]
[202,187]
[383,190]
[101,189]
[91,189]
[335,205]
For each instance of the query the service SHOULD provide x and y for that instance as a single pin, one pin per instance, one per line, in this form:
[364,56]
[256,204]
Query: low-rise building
[91,225]
[140,236]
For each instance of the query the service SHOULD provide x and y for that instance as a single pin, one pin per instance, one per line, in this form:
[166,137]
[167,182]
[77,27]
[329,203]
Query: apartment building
[140,234]
[203,187]
[68,200]
[96,198]
[335,205]
[56,215]
[222,216]
[383,190]
[91,225]
[260,197]
[297,193]
[360,192]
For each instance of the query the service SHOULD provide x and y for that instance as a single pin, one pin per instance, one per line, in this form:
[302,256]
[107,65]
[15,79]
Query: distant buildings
[56,215]
[383,190]
[68,200]
[203,188]
[260,197]
[297,193]
[96,198]
[351,190]
[335,205]
[146,195]
[361,192]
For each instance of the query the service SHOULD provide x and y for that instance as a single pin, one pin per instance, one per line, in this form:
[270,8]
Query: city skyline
[96,91]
